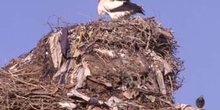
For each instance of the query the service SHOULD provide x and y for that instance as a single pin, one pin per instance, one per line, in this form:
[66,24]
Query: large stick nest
[118,64]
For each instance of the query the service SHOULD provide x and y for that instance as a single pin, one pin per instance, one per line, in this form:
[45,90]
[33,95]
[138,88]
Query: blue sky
[195,23]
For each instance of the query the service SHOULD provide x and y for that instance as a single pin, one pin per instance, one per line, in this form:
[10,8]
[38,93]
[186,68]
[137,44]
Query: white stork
[118,8]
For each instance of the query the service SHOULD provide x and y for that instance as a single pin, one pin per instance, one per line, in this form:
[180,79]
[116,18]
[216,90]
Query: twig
[48,23]
[17,79]
[21,96]
[166,101]
[148,39]
[63,21]
[171,84]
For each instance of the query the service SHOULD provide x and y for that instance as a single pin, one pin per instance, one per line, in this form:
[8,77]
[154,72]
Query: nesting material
[108,65]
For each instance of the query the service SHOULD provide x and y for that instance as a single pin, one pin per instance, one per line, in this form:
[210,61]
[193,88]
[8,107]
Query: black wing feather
[128,6]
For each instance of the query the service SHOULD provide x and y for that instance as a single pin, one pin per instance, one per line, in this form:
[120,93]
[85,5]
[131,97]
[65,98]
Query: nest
[119,65]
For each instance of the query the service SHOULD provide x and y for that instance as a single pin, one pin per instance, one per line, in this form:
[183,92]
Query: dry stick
[148,39]
[6,94]
[134,104]
[101,58]
[51,27]
[42,96]
[166,101]
[171,85]
[17,71]
[58,22]
[17,79]
[55,90]
[7,101]
[33,107]
[148,92]
[25,74]
[21,96]
[2,70]
[48,23]
[134,38]
[63,21]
